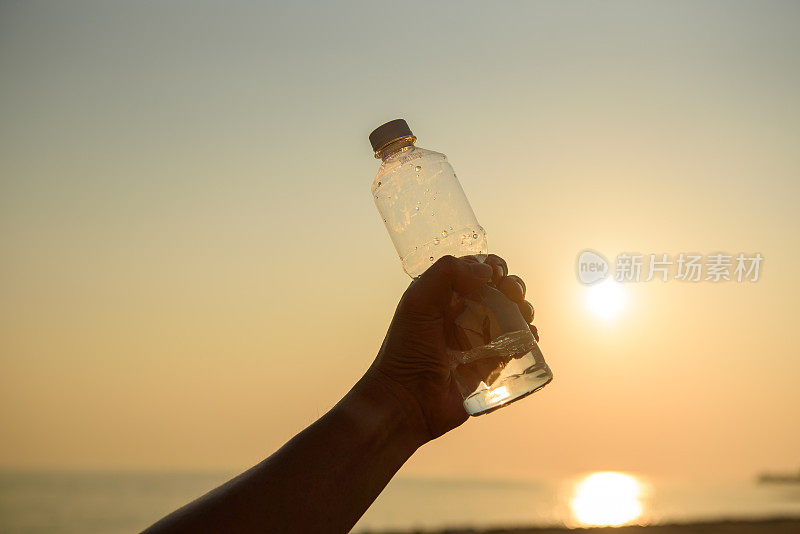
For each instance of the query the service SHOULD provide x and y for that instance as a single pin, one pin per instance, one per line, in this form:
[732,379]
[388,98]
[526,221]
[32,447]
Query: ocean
[116,503]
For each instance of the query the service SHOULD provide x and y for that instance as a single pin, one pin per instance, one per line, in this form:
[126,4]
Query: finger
[526,309]
[498,272]
[520,281]
[448,274]
[499,265]
[497,269]
[494,259]
[534,331]
[512,289]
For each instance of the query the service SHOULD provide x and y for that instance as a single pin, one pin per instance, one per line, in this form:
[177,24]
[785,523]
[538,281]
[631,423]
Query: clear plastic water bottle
[494,357]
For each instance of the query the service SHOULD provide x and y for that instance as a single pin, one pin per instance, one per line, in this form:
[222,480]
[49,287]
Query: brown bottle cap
[386,133]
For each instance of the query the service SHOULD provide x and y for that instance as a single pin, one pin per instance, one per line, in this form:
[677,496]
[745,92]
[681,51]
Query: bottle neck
[394,147]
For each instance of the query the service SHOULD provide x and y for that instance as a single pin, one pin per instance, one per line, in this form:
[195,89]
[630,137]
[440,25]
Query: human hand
[412,366]
[325,477]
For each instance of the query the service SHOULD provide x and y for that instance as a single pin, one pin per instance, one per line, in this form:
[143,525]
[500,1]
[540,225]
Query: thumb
[449,274]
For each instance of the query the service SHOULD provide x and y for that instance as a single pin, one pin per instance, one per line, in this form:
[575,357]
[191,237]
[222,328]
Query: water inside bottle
[495,374]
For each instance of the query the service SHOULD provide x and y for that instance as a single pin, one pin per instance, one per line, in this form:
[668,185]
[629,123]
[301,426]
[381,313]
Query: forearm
[321,481]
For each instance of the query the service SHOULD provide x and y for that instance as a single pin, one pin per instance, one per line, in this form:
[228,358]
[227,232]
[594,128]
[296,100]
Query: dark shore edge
[789,525]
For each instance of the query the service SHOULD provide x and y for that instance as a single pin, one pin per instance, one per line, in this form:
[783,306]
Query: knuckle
[497,259]
[518,280]
[530,310]
[500,262]
[510,285]
[446,263]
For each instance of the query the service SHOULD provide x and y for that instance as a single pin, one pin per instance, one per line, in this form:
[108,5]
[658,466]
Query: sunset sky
[193,269]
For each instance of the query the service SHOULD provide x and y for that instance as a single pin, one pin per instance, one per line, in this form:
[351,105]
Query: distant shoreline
[753,526]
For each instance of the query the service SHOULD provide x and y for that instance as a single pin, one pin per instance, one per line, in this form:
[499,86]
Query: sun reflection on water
[607,499]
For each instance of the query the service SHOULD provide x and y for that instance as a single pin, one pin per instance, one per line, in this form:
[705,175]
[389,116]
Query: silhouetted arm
[321,481]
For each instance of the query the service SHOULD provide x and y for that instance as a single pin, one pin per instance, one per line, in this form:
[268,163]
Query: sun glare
[607,499]
[605,299]
[499,394]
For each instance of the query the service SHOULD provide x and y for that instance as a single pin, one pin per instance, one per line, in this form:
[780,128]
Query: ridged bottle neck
[394,147]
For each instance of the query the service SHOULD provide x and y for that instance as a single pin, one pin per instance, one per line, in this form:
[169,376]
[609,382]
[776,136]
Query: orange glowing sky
[193,269]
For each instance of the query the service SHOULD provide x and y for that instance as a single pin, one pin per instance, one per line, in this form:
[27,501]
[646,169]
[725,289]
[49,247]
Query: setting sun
[607,499]
[605,299]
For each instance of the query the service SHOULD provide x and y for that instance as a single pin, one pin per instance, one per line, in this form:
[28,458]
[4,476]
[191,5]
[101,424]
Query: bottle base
[510,389]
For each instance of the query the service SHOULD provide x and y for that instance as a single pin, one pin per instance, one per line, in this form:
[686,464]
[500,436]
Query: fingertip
[520,281]
[494,259]
[535,332]
[511,289]
[526,308]
[481,270]
[497,274]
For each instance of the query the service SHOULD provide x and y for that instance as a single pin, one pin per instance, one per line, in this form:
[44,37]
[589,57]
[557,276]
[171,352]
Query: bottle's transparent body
[494,356]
